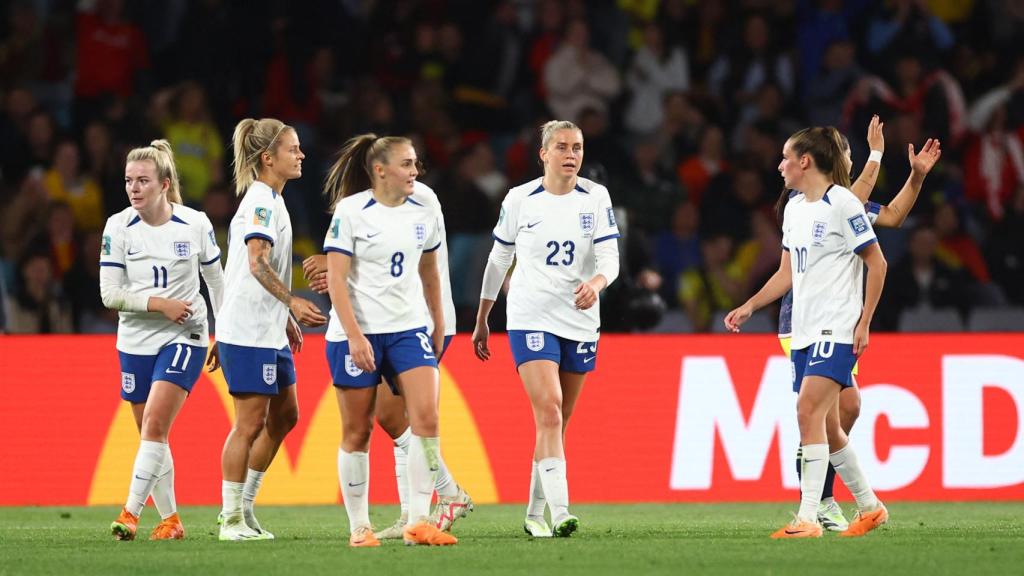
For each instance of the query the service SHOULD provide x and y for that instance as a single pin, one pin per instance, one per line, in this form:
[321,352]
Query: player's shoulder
[190,216]
[524,190]
[594,189]
[354,203]
[123,218]
[259,193]
[840,195]
[424,194]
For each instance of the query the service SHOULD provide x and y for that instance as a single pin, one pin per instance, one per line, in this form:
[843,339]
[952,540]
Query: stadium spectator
[577,76]
[65,182]
[657,69]
[198,148]
[38,307]
[920,280]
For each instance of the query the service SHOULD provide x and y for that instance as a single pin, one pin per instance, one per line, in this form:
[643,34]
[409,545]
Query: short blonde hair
[547,131]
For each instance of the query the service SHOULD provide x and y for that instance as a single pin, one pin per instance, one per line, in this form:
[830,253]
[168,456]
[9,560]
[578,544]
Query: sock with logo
[401,469]
[556,486]
[354,479]
[149,461]
[846,464]
[163,489]
[537,503]
[424,454]
[812,480]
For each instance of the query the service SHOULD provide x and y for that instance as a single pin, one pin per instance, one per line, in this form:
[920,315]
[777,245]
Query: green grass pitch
[926,539]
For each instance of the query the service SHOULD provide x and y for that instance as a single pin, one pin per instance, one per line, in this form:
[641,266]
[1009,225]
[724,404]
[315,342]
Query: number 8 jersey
[385,244]
[160,261]
[554,238]
[823,239]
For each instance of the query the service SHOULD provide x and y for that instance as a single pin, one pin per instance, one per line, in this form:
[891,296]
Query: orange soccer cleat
[125,526]
[425,533]
[865,522]
[363,537]
[169,528]
[798,529]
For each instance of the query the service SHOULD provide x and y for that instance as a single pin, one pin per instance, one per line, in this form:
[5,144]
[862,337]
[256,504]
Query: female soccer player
[150,259]
[381,263]
[824,231]
[830,515]
[256,336]
[561,229]
[452,501]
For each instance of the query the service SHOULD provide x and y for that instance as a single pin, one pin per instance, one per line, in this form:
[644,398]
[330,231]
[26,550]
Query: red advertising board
[663,418]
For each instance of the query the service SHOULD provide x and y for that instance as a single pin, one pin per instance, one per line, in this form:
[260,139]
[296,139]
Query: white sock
[424,454]
[555,485]
[401,464]
[149,461]
[231,498]
[354,479]
[845,462]
[445,484]
[535,507]
[253,481]
[812,482]
[163,489]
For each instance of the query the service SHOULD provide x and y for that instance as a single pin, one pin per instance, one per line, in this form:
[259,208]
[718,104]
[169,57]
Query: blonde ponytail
[251,139]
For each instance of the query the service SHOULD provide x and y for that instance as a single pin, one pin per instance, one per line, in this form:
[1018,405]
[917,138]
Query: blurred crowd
[684,105]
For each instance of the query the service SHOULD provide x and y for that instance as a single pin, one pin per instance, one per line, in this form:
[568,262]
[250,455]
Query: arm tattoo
[267,277]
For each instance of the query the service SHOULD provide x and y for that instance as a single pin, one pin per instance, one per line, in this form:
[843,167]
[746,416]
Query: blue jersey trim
[865,245]
[135,221]
[786,248]
[370,203]
[608,237]
[434,248]
[212,260]
[174,218]
[258,235]
[873,207]
[411,201]
[114,264]
[334,249]
[538,190]
[495,236]
[793,193]
[580,189]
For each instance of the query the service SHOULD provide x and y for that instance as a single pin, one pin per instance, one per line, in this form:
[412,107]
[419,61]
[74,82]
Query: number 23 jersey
[554,238]
[160,261]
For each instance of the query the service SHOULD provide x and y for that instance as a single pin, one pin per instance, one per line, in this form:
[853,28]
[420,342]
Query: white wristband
[875,156]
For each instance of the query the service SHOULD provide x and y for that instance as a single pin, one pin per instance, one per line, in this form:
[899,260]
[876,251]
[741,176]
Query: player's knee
[356,438]
[849,411]
[282,423]
[549,415]
[250,428]
[154,428]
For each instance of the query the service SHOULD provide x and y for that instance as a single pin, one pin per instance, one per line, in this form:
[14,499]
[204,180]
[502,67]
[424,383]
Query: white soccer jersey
[160,261]
[424,195]
[823,239]
[385,244]
[554,237]
[250,315]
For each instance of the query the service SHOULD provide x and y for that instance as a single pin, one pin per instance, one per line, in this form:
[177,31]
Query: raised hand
[922,162]
[876,140]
